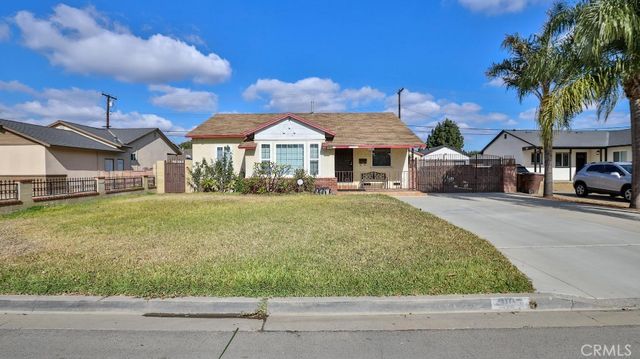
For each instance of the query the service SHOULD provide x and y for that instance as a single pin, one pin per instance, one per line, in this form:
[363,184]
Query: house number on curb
[510,303]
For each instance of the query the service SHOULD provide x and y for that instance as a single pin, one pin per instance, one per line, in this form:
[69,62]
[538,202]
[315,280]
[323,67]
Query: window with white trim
[314,159]
[619,156]
[222,151]
[562,159]
[265,153]
[536,158]
[381,157]
[291,155]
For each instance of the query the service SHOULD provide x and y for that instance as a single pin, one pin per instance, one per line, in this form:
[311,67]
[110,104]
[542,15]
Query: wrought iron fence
[478,173]
[63,186]
[8,191]
[372,180]
[122,183]
[151,182]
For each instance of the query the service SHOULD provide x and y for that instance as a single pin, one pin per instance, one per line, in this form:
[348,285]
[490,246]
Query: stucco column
[100,186]
[145,182]
[25,192]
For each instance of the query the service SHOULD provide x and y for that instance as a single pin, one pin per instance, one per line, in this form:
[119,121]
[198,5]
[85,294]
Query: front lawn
[257,246]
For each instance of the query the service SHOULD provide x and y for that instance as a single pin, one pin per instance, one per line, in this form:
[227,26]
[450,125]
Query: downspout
[570,170]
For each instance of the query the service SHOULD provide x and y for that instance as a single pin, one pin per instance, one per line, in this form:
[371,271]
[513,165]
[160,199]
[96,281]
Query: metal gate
[477,173]
[174,176]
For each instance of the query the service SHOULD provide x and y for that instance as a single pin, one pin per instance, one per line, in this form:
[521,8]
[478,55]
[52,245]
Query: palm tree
[541,65]
[606,36]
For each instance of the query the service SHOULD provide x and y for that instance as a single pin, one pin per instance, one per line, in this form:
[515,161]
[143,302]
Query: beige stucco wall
[22,160]
[149,149]
[206,149]
[398,171]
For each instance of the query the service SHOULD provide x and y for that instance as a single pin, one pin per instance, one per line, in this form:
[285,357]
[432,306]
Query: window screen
[265,153]
[381,157]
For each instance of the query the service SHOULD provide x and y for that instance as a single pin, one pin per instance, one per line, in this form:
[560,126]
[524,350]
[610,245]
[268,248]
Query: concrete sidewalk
[565,248]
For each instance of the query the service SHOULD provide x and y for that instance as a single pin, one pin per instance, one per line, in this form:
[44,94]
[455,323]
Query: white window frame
[305,155]
[262,159]
[619,153]
[563,156]
[317,160]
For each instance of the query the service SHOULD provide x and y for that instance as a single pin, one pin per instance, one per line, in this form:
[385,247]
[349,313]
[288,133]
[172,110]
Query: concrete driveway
[565,248]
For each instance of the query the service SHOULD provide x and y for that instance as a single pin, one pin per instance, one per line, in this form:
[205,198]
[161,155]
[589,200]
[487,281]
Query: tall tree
[541,66]
[606,37]
[446,133]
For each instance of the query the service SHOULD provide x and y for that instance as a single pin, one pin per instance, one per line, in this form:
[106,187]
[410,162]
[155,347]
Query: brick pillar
[25,192]
[509,178]
[100,186]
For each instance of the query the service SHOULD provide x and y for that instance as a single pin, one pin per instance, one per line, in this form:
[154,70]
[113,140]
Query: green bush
[269,177]
[215,177]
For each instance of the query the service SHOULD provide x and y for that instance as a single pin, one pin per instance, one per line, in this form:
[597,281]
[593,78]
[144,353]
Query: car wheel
[581,190]
[627,194]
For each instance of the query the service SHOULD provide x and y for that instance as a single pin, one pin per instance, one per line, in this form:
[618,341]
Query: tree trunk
[548,167]
[632,90]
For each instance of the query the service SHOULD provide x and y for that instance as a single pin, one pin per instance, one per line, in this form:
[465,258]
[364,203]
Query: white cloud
[16,86]
[419,107]
[496,82]
[75,105]
[83,41]
[183,99]
[589,119]
[297,96]
[494,7]
[528,115]
[5,32]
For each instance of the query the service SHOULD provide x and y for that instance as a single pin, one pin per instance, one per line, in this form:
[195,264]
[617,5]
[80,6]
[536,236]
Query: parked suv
[612,178]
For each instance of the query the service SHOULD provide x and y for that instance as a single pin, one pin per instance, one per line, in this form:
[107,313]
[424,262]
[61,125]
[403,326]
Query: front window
[536,157]
[314,158]
[265,153]
[120,165]
[620,156]
[291,155]
[381,157]
[108,164]
[562,159]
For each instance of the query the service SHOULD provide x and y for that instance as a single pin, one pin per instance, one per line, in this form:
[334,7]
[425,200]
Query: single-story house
[441,153]
[355,150]
[571,149]
[73,150]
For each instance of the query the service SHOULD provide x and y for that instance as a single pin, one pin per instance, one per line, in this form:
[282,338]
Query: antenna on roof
[312,103]
[110,100]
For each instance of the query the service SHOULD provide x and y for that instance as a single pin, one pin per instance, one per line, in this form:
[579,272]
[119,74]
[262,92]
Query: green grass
[258,246]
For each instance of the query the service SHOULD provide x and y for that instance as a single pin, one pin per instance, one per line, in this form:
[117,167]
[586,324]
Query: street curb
[122,304]
[255,307]
[439,304]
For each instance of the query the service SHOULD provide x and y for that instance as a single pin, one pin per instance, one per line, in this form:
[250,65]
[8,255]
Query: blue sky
[173,64]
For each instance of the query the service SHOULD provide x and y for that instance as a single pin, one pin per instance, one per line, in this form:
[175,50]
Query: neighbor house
[354,150]
[571,149]
[441,153]
[66,149]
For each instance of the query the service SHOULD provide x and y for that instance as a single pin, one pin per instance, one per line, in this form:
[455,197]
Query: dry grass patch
[233,245]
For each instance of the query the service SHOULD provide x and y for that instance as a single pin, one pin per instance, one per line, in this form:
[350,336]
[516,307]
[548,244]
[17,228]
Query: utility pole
[109,101]
[399,102]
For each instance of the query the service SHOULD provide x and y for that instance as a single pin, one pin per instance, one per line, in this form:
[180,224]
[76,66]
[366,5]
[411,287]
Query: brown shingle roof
[351,129]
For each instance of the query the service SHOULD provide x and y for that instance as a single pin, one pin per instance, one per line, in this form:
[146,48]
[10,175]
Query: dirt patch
[14,242]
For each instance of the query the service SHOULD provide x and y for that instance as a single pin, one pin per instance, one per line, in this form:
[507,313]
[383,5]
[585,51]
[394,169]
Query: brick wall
[509,179]
[330,182]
